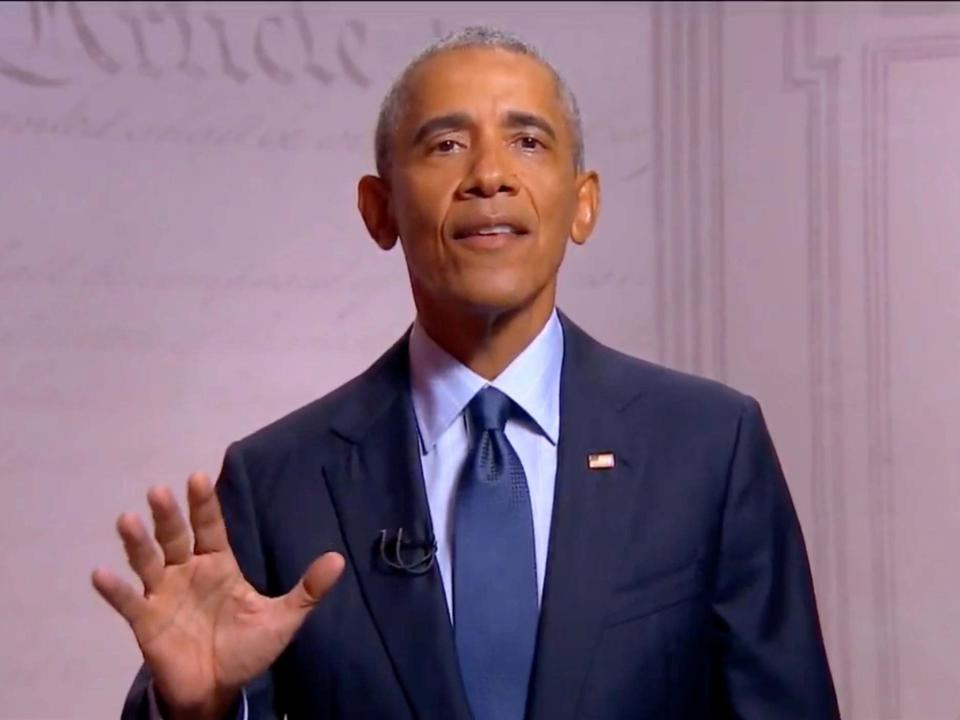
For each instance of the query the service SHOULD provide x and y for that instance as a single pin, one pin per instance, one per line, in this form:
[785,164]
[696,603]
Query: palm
[203,629]
[199,632]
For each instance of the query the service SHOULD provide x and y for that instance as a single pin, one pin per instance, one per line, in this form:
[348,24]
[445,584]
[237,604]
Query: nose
[490,173]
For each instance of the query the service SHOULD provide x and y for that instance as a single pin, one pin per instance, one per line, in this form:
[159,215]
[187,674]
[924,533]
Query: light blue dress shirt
[443,386]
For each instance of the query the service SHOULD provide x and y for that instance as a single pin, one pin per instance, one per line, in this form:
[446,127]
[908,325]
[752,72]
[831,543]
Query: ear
[373,201]
[588,206]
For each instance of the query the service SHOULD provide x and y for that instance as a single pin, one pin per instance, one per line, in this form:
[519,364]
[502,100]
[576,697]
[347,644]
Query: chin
[493,296]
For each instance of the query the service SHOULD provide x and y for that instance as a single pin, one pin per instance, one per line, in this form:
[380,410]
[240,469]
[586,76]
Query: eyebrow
[460,121]
[521,119]
[442,123]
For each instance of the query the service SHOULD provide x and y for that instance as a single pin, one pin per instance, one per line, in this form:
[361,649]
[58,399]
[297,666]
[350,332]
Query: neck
[486,342]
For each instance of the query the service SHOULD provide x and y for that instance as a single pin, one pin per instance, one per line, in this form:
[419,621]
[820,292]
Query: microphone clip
[392,549]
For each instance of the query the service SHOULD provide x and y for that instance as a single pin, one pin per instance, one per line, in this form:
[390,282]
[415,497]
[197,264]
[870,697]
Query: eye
[446,146]
[529,142]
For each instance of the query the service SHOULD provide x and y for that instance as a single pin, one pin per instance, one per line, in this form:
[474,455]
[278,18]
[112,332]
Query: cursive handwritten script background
[181,261]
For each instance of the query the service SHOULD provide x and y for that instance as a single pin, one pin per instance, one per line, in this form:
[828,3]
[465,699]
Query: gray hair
[394,104]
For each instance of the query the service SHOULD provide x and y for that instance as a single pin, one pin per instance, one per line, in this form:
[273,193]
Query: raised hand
[203,629]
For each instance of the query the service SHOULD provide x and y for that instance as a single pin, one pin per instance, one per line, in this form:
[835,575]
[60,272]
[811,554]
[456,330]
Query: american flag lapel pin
[601,461]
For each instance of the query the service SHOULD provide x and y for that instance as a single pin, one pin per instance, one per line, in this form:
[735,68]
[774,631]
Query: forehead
[481,79]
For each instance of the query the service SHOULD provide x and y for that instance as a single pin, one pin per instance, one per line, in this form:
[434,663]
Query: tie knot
[489,409]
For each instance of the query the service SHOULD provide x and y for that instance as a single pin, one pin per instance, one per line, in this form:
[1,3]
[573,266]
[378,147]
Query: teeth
[496,230]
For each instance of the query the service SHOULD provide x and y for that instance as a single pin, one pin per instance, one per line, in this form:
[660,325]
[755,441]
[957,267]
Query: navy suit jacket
[677,582]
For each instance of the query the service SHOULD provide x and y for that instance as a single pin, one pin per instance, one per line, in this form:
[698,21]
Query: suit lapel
[591,516]
[377,484]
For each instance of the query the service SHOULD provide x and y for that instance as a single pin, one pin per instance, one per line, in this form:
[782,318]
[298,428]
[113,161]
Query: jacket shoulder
[673,388]
[620,374]
[305,425]
[310,425]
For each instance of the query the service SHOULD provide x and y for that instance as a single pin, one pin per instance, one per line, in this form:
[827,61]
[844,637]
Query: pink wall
[181,262]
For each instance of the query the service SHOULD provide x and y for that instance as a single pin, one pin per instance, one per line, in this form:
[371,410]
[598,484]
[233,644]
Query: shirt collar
[442,385]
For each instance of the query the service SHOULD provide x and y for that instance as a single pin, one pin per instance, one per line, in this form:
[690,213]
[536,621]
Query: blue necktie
[494,567]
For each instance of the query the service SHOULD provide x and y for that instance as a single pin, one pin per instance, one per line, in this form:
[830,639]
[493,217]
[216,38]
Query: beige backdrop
[181,262]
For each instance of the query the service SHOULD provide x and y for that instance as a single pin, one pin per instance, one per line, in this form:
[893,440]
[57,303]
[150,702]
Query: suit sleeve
[772,661]
[236,501]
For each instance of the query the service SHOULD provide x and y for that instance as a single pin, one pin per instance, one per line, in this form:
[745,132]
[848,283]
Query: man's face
[483,187]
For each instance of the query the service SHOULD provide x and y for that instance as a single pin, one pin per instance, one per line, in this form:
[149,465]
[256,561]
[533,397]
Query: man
[501,518]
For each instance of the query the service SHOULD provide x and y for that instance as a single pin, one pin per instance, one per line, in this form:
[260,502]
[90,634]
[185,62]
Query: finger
[119,594]
[290,610]
[209,532]
[141,552]
[315,583]
[170,528]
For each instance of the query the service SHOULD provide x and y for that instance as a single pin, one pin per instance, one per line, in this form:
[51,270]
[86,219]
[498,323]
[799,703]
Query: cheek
[420,209]
[408,206]
[421,206]
[555,205]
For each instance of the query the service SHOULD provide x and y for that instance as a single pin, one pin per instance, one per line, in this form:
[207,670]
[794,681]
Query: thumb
[316,581]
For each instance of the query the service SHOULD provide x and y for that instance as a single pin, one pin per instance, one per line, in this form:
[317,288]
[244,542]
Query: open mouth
[486,232]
